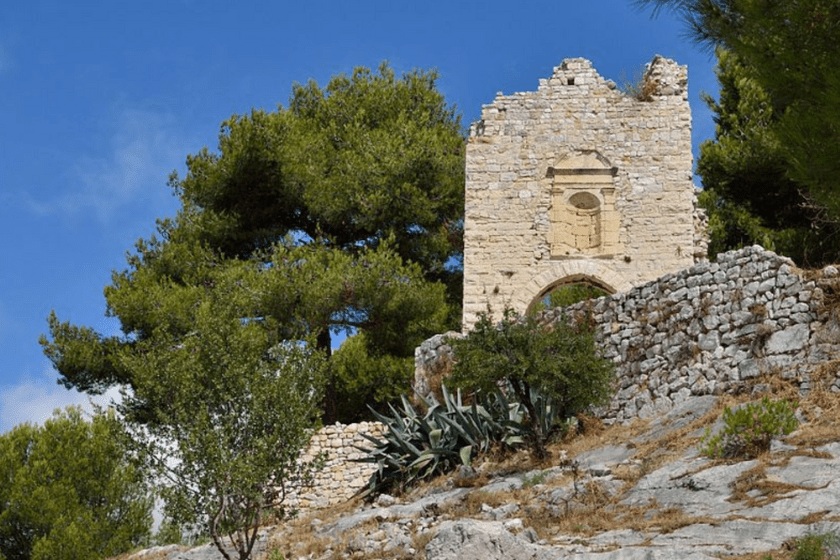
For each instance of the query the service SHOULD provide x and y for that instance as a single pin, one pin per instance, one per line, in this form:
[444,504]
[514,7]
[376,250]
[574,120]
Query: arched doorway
[568,291]
[588,271]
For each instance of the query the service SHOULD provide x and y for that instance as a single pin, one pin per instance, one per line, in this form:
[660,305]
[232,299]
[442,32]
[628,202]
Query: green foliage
[169,533]
[538,477]
[749,430]
[223,415]
[342,212]
[68,490]
[566,295]
[368,156]
[560,362]
[813,546]
[790,111]
[420,446]
[363,379]
[747,192]
[275,554]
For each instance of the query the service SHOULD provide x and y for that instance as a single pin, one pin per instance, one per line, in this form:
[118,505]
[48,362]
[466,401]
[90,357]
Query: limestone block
[788,340]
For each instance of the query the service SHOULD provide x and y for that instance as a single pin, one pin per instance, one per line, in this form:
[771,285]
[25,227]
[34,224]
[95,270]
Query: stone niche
[583,216]
[579,182]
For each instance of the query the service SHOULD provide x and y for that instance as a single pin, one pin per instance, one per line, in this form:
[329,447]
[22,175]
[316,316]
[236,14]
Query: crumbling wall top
[579,181]
[666,77]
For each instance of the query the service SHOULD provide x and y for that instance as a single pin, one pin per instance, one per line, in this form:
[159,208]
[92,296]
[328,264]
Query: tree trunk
[523,391]
[330,407]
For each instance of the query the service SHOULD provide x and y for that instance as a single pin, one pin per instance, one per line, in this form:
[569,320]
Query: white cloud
[142,150]
[34,400]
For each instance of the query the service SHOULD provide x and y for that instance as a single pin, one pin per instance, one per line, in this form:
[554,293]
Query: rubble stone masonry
[579,181]
[730,326]
[725,327]
[341,446]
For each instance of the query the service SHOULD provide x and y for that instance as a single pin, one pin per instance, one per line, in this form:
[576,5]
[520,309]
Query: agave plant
[418,446]
[548,414]
[449,434]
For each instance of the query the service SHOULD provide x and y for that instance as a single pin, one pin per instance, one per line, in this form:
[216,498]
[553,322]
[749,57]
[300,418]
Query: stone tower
[579,182]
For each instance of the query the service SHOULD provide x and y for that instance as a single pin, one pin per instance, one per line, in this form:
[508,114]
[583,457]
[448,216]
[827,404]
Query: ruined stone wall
[712,328]
[342,476]
[578,181]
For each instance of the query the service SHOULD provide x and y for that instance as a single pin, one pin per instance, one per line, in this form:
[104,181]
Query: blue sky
[102,100]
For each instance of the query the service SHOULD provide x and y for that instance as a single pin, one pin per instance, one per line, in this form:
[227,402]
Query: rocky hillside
[640,491]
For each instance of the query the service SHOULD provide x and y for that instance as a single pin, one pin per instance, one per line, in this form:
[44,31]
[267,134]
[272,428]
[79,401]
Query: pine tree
[341,212]
[788,51]
[68,490]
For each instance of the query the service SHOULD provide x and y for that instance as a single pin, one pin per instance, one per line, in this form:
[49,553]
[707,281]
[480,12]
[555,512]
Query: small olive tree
[223,415]
[559,361]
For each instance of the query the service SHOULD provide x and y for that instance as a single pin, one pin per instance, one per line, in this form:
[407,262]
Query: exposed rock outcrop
[632,494]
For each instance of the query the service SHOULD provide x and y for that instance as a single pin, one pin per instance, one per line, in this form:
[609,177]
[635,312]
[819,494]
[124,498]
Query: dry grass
[778,386]
[590,511]
[778,554]
[754,489]
[814,517]
[481,479]
[303,543]
[473,502]
[500,463]
[592,433]
[822,411]
[300,539]
[670,520]
[596,515]
[148,556]
[656,453]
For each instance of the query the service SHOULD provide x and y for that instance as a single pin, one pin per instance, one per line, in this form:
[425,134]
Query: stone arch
[588,159]
[567,272]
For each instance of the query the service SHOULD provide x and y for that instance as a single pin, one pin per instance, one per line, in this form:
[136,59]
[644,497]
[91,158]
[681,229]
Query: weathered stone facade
[579,182]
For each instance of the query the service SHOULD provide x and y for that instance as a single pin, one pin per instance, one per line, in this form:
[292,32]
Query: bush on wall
[560,361]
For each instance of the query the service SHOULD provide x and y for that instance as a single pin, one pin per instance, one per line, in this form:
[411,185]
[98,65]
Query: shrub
[824,546]
[226,416]
[566,295]
[749,430]
[559,361]
[637,86]
[538,477]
